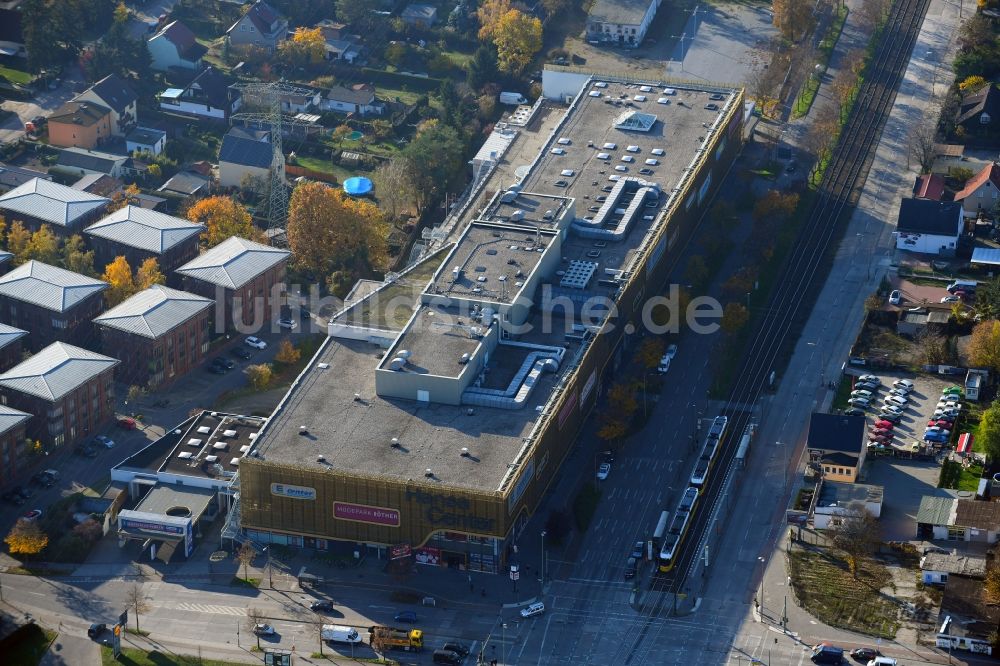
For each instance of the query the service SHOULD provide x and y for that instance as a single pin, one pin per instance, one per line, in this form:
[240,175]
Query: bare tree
[255,616]
[933,348]
[245,556]
[318,625]
[922,147]
[135,599]
[392,188]
[842,87]
[856,535]
[763,81]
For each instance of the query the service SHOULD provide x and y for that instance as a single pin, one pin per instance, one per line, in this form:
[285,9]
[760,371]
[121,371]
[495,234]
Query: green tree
[76,257]
[483,67]
[988,432]
[987,297]
[433,162]
[359,14]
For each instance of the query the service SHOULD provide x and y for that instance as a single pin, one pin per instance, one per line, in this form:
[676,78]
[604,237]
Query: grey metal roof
[9,334]
[954,562]
[154,311]
[184,182]
[48,286]
[986,255]
[91,160]
[50,202]
[55,371]
[936,510]
[233,262]
[11,418]
[145,135]
[145,229]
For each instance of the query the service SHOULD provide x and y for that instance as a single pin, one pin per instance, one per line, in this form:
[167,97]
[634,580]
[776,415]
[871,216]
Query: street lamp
[503,645]
[760,597]
[543,558]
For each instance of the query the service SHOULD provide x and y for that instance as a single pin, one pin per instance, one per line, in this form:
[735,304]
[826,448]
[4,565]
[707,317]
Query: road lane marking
[210,608]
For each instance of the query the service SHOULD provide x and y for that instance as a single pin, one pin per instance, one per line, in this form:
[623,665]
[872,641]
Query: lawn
[957,477]
[843,393]
[825,588]
[324,166]
[134,657]
[27,645]
[15,75]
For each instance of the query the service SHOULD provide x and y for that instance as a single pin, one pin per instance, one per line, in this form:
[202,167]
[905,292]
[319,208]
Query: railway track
[798,281]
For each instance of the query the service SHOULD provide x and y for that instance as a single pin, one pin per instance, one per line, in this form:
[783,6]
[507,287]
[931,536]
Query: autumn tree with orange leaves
[334,235]
[223,218]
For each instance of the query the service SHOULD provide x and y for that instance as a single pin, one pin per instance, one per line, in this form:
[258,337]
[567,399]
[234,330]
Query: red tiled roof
[991,173]
[929,186]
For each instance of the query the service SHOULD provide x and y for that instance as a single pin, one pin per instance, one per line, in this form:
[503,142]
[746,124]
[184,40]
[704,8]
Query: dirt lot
[719,42]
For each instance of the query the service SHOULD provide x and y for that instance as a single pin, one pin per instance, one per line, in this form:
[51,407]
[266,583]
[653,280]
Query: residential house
[11,346]
[244,153]
[12,176]
[928,226]
[979,109]
[69,390]
[185,184]
[80,162]
[11,30]
[100,184]
[262,26]
[981,192]
[40,201]
[929,186]
[13,446]
[146,140]
[340,45]
[358,99]
[419,15]
[837,500]
[209,95]
[56,305]
[937,566]
[837,445]
[158,334]
[113,92]
[80,124]
[175,46]
[620,22]
[293,103]
[245,279]
[956,519]
[138,234]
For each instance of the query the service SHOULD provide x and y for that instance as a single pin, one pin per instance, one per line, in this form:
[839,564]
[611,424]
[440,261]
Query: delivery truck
[512,98]
[335,633]
[390,638]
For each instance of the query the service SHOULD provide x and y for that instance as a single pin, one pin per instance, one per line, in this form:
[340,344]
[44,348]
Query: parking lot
[907,477]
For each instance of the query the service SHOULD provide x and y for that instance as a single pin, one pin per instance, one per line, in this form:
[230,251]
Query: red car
[881,439]
[881,432]
[885,425]
[940,423]
[127,423]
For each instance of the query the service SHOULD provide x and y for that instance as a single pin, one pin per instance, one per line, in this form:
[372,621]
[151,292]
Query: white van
[536,608]
[335,633]
[882,661]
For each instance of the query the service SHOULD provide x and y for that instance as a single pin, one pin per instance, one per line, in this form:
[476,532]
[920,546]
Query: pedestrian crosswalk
[210,608]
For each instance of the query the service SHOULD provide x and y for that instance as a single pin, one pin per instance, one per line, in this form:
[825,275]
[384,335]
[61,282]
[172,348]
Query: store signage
[295,492]
[567,409]
[362,513]
[449,511]
[588,387]
[400,551]
[431,556]
[522,484]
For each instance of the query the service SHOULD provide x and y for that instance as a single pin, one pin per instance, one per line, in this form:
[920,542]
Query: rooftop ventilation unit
[320,458]
[394,443]
[465,452]
[517,216]
[428,473]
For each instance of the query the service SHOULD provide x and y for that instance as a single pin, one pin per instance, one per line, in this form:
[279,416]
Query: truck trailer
[396,639]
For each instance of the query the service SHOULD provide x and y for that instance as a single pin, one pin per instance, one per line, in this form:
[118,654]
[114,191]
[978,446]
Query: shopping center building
[440,408]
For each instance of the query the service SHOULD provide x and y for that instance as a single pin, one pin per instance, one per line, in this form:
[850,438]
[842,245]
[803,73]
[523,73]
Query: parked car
[34,514]
[531,610]
[255,342]
[105,441]
[896,400]
[895,297]
[854,411]
[951,299]
[287,323]
[127,423]
[223,362]
[891,418]
[891,409]
[457,648]
[881,439]
[937,439]
[322,605]
[215,369]
[264,630]
[870,378]
[602,471]
[631,567]
[864,654]
[671,351]
[866,386]
[900,392]
[638,550]
[240,352]
[884,423]
[903,384]
[937,431]
[861,393]
[881,431]
[96,630]
[859,402]
[406,616]
[940,423]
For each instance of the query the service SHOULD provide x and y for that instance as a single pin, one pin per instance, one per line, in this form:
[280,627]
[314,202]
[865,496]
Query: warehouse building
[435,416]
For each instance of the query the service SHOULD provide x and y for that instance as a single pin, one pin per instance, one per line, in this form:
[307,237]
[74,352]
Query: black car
[305,314]
[223,363]
[631,567]
[96,630]
[864,654]
[241,352]
[323,605]
[638,549]
[215,369]
[457,648]
[23,492]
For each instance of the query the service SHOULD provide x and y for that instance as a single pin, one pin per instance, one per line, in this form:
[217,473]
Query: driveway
[42,104]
